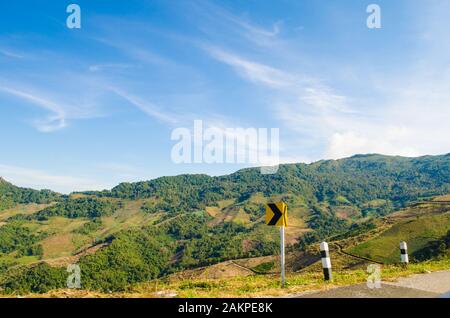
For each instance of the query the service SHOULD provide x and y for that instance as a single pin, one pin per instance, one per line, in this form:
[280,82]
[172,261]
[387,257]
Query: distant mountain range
[428,175]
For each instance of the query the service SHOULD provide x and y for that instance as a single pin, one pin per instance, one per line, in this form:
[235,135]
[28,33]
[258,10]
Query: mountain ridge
[321,161]
[150,229]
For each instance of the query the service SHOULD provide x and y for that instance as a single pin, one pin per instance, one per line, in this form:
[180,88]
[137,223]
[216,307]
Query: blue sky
[89,108]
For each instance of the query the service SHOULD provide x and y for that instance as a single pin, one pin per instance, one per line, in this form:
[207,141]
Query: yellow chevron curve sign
[276,214]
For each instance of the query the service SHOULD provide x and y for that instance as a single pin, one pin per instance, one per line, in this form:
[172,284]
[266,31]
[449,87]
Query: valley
[191,233]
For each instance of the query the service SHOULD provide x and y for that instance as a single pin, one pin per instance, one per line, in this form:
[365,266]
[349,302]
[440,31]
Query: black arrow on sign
[277,214]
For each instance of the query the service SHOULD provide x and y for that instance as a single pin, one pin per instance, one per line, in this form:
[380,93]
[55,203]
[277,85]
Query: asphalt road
[430,285]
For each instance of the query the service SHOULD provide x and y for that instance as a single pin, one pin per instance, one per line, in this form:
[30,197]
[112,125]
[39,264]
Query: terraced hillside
[259,276]
[147,230]
[429,224]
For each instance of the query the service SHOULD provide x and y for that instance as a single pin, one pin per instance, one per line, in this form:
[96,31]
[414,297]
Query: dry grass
[58,246]
[25,209]
[442,198]
[252,286]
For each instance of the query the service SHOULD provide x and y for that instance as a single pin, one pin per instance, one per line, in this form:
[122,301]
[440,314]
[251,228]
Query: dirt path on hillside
[340,249]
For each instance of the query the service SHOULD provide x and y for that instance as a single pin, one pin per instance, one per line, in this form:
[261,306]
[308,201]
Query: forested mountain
[140,231]
[356,181]
[11,195]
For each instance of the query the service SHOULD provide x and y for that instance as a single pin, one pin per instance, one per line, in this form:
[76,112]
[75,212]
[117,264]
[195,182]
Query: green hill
[418,233]
[11,195]
[354,181]
[140,231]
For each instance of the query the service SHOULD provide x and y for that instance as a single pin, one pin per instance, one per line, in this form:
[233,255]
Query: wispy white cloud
[258,31]
[320,117]
[240,26]
[387,141]
[140,52]
[50,124]
[304,105]
[61,100]
[121,171]
[412,118]
[56,121]
[108,66]
[404,116]
[306,89]
[62,105]
[253,71]
[38,179]
[37,100]
[148,108]
[11,54]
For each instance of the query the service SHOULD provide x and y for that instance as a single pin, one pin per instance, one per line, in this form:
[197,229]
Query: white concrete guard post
[404,253]
[326,262]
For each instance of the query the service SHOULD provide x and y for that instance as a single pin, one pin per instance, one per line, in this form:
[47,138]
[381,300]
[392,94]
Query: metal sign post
[282,254]
[276,215]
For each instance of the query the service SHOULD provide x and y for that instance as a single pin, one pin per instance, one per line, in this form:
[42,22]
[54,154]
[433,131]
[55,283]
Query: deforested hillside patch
[81,207]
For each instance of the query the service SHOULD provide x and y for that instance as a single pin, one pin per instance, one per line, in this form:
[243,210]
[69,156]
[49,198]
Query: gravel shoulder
[431,285]
[436,282]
